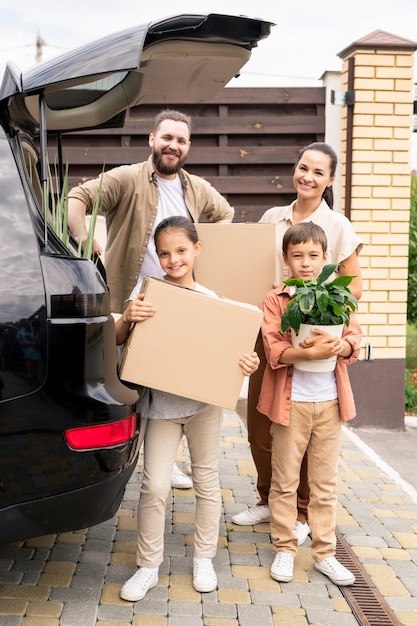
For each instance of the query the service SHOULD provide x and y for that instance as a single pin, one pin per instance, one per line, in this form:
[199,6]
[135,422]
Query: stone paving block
[148,606]
[407,540]
[410,584]
[74,594]
[76,539]
[79,613]
[242,548]
[127,523]
[403,568]
[148,620]
[220,611]
[365,540]
[15,606]
[330,618]
[23,592]
[8,577]
[16,553]
[65,552]
[394,554]
[10,620]
[365,552]
[390,586]
[115,613]
[234,596]
[248,615]
[188,609]
[28,566]
[407,618]
[40,621]
[180,620]
[229,582]
[312,601]
[107,623]
[284,616]
[340,605]
[38,608]
[244,559]
[47,541]
[31,578]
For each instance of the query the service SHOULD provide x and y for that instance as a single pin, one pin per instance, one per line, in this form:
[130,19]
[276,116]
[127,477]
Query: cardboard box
[192,345]
[237,260]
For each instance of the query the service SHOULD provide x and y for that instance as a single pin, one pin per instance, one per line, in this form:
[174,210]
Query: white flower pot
[320,365]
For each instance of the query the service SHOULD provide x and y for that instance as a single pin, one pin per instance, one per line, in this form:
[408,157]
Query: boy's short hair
[303,232]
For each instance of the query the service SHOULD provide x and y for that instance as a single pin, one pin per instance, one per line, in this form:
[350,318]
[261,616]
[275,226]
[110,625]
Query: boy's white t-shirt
[313,386]
[170,202]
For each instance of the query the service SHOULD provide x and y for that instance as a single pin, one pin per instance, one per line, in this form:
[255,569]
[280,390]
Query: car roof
[92,86]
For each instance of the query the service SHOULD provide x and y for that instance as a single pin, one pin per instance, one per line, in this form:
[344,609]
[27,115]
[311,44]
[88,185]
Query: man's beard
[165,168]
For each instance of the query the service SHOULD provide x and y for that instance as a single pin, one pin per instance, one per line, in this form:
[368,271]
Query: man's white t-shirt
[170,202]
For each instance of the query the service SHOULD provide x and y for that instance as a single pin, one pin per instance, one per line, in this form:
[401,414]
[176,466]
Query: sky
[303,44]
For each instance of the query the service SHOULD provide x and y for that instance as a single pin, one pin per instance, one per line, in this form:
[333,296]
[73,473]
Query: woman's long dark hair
[320,146]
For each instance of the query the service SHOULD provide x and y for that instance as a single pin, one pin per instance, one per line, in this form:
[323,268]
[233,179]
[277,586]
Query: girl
[313,176]
[169,417]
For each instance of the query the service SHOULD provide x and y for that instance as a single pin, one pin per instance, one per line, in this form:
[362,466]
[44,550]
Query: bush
[412,256]
[410,390]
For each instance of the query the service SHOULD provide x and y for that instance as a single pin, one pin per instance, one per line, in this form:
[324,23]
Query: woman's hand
[249,363]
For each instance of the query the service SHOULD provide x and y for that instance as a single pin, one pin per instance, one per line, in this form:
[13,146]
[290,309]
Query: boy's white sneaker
[335,571]
[254,515]
[282,568]
[179,480]
[204,576]
[139,584]
[301,531]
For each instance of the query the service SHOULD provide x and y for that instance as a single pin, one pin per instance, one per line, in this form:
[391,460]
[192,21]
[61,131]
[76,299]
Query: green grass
[411,348]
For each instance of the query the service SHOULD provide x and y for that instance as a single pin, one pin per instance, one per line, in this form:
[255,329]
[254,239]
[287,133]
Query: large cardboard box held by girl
[192,345]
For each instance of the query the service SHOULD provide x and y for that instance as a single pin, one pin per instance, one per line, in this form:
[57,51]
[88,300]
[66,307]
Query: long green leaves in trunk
[88,248]
[59,205]
[59,213]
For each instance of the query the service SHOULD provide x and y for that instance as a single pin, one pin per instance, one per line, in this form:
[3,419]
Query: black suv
[68,427]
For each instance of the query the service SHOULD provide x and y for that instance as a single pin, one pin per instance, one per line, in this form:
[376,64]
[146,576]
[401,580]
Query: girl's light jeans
[161,441]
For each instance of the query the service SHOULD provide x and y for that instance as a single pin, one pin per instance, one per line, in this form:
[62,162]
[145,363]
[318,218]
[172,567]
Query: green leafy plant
[318,302]
[59,213]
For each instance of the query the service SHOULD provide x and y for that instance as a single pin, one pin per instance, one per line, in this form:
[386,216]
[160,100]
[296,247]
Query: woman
[314,174]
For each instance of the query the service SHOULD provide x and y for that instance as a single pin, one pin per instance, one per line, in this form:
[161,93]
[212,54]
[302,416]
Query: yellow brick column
[375,193]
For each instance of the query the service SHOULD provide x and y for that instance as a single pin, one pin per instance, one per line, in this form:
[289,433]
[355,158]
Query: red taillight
[102,435]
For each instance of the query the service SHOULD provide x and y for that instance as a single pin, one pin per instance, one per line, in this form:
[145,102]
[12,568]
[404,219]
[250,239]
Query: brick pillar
[375,194]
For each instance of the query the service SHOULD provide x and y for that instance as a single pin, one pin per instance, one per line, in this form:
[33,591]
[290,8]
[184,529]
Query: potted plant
[318,304]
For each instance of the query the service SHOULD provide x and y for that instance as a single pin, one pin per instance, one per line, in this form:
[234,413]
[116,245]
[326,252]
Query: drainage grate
[367,603]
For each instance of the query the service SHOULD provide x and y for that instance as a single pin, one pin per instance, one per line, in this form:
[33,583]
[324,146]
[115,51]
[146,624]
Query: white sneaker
[301,531]
[335,571]
[204,576]
[139,584]
[282,567]
[254,515]
[179,480]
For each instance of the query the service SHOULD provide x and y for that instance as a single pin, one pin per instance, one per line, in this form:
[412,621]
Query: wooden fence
[244,142]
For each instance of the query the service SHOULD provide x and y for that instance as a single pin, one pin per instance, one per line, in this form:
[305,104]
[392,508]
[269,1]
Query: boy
[306,410]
